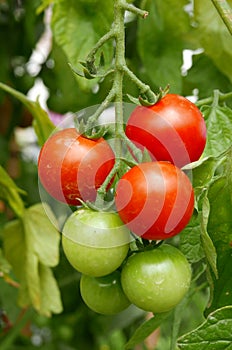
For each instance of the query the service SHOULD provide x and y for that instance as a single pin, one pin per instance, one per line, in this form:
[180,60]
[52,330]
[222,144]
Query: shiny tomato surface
[155,200]
[71,166]
[173,129]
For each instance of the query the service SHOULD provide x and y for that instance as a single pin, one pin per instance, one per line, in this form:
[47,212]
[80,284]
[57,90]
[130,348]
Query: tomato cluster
[154,201]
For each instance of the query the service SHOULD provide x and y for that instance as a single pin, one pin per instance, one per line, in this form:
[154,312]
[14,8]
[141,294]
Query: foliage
[36,281]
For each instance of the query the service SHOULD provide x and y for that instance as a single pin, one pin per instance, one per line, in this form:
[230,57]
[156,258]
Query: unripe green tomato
[156,280]
[104,295]
[95,243]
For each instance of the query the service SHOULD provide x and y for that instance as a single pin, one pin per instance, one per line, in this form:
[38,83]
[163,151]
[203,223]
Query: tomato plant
[102,41]
[95,243]
[156,280]
[104,295]
[173,129]
[155,200]
[71,166]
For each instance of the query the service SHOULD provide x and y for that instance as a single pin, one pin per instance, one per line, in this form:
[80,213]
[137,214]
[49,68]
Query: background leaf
[160,42]
[220,231]
[145,330]
[219,127]
[211,30]
[11,193]
[76,29]
[214,333]
[35,243]
[42,124]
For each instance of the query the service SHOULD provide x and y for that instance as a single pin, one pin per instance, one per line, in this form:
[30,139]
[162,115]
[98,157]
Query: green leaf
[220,231]
[42,124]
[41,234]
[160,42]
[31,246]
[202,171]
[10,193]
[208,246]
[210,30]
[219,126]
[146,329]
[190,240]
[77,26]
[50,298]
[215,333]
[4,265]
[205,76]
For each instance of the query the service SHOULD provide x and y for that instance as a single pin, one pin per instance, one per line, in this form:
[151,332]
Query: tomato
[156,280]
[173,129]
[95,243]
[71,166]
[155,200]
[104,295]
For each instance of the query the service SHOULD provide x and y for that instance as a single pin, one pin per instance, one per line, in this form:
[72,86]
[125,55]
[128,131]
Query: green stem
[93,119]
[109,35]
[137,11]
[225,12]
[144,88]
[119,64]
[207,101]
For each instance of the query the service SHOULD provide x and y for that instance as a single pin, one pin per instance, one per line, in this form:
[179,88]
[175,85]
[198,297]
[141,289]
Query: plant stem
[209,100]
[225,12]
[133,9]
[109,35]
[144,88]
[119,64]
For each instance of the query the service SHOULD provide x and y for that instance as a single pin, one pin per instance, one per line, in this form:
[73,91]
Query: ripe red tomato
[71,166]
[155,200]
[156,280]
[173,129]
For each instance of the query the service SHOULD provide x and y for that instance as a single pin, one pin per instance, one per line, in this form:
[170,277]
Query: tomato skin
[71,166]
[155,200]
[95,243]
[173,129]
[156,280]
[104,295]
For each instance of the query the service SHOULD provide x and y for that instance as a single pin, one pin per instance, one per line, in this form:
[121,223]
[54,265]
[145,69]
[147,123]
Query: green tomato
[104,295]
[95,243]
[156,280]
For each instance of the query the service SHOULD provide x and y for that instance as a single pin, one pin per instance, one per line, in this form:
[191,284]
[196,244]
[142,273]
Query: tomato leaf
[41,234]
[190,240]
[208,246]
[160,42]
[219,125]
[4,265]
[211,30]
[146,329]
[77,28]
[220,231]
[214,333]
[50,298]
[34,242]
[42,124]
[11,193]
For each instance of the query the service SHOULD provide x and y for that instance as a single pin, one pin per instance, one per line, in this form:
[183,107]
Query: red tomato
[155,200]
[71,166]
[173,129]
